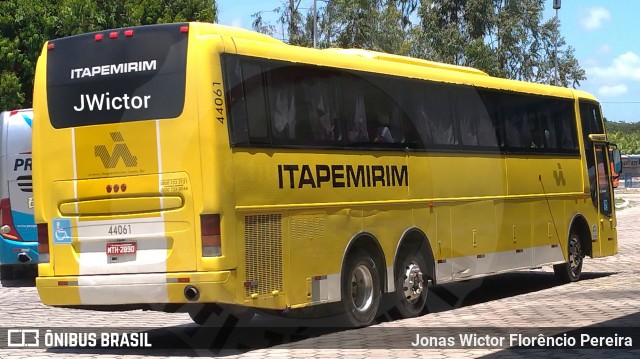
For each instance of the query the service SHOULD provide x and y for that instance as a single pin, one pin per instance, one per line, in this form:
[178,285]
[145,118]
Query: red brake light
[210,232]
[184,29]
[113,35]
[50,46]
[128,33]
[43,242]
[97,37]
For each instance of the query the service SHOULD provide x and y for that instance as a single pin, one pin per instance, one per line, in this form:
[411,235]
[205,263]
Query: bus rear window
[117,75]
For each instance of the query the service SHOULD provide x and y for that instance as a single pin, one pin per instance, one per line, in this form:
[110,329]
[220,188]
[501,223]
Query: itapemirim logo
[120,150]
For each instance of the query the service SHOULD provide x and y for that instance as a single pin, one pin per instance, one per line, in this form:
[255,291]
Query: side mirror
[617,160]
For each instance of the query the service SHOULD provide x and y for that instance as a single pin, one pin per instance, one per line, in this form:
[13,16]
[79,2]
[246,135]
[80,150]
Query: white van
[18,234]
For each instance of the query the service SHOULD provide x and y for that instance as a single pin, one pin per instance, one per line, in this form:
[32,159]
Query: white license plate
[120,248]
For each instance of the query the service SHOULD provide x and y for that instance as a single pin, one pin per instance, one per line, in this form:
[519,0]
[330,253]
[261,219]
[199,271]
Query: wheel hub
[362,288]
[575,257]
[413,284]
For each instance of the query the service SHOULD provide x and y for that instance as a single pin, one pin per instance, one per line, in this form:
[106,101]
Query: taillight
[43,242]
[210,229]
[6,227]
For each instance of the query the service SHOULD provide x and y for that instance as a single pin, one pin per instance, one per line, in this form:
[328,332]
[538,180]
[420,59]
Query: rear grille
[263,254]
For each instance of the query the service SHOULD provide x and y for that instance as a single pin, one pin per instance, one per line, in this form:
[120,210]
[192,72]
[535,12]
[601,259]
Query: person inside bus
[383,133]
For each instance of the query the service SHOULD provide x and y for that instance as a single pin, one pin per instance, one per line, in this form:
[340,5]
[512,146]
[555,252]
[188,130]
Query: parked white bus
[18,235]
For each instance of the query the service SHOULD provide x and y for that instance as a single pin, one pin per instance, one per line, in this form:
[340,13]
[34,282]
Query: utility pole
[556,6]
[315,23]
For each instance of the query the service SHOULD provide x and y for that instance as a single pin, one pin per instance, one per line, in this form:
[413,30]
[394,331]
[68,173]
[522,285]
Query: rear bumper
[10,250]
[128,289]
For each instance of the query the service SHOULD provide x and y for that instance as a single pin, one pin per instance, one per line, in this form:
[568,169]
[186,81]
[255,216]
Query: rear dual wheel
[360,289]
[412,284]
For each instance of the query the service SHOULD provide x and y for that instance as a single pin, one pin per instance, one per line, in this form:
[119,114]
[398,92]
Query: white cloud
[613,91]
[625,66]
[594,18]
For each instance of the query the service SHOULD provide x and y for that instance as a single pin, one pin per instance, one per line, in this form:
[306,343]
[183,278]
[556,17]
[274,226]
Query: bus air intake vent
[263,254]
[307,227]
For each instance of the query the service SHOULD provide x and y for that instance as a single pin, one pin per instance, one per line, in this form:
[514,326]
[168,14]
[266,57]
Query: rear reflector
[43,242]
[210,229]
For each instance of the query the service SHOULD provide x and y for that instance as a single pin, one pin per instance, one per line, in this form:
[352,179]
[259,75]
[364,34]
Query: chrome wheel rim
[361,288]
[575,256]
[413,284]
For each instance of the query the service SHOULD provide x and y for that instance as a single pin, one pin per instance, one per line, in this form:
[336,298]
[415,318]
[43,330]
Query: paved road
[609,295]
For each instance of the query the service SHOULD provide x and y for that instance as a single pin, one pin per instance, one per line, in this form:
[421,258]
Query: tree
[25,25]
[504,38]
[380,25]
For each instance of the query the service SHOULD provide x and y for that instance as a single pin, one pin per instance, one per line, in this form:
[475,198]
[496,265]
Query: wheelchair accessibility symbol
[62,231]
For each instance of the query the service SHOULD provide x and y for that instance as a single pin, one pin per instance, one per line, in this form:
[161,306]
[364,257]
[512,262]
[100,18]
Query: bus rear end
[118,153]
[18,238]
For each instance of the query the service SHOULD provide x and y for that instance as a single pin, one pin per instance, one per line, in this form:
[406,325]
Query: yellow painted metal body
[467,205]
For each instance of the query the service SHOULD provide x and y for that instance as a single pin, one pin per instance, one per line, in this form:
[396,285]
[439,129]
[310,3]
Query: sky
[602,33]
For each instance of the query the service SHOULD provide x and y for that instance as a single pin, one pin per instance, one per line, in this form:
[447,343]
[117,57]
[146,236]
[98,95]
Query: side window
[256,102]
[355,112]
[373,115]
[431,110]
[282,104]
[476,126]
[440,108]
[319,108]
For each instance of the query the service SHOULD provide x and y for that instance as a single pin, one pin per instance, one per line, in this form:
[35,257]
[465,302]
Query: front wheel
[360,289]
[571,270]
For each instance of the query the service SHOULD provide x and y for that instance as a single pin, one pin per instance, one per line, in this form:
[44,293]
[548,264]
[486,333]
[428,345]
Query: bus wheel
[571,270]
[360,289]
[412,284]
[216,315]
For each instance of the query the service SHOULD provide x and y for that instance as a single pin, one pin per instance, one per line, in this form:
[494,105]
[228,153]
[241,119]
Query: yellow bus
[192,166]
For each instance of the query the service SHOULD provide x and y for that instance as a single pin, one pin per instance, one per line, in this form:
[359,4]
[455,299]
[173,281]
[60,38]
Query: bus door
[599,180]
[604,194]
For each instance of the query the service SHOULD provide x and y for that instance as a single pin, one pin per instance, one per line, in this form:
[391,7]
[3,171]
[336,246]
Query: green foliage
[624,134]
[504,38]
[25,25]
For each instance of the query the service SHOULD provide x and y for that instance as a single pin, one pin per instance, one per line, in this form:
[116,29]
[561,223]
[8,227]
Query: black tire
[216,315]
[360,289]
[412,284]
[570,271]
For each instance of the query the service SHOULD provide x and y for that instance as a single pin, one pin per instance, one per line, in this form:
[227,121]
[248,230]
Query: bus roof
[406,60]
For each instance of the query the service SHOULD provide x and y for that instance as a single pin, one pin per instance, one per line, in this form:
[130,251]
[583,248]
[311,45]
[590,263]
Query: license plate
[120,248]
